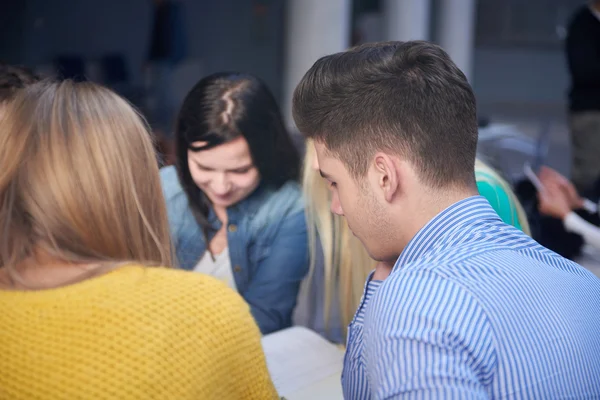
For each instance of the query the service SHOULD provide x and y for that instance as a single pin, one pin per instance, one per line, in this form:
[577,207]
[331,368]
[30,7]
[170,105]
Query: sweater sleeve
[590,233]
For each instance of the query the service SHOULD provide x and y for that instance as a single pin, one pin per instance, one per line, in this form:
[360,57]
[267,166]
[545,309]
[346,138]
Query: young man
[472,308]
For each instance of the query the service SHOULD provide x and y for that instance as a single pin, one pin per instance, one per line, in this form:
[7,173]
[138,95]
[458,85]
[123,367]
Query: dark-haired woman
[235,207]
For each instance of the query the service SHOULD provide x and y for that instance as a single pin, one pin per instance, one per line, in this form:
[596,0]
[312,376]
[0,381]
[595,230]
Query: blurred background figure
[168,47]
[583,55]
[234,201]
[501,197]
[339,263]
[560,199]
[87,305]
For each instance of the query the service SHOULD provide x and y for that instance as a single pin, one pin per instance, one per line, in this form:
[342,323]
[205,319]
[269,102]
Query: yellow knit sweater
[134,333]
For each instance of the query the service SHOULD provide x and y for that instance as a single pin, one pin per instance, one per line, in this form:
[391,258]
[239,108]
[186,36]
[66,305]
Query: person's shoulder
[413,288]
[456,262]
[278,211]
[488,182]
[285,200]
[495,193]
[484,173]
[170,183]
[488,186]
[449,279]
[189,282]
[190,292]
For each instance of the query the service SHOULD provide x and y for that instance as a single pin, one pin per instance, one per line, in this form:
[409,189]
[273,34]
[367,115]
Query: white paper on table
[298,357]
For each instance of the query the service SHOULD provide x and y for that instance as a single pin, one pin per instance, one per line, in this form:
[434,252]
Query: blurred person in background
[12,79]
[339,263]
[168,47]
[560,199]
[87,308]
[235,204]
[500,196]
[583,56]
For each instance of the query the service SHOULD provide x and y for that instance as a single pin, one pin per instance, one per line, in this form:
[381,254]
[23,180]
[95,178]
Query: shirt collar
[445,225]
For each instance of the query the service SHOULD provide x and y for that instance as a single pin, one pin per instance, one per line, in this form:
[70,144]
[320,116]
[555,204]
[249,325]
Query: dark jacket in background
[168,41]
[583,56]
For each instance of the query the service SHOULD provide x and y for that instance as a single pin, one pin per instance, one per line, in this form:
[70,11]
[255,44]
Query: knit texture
[134,333]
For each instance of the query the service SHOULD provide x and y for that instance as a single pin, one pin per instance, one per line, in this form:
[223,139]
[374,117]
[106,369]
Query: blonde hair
[346,262]
[79,179]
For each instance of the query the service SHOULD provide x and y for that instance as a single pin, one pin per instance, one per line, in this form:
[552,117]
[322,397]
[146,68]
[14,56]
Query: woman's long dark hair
[220,108]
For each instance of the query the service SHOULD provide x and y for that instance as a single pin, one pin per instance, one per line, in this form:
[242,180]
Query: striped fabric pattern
[476,309]
[353,375]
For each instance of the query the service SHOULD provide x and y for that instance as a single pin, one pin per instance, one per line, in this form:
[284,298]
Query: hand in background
[554,201]
[550,177]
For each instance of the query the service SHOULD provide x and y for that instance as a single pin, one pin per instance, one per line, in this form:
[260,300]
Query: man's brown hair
[404,97]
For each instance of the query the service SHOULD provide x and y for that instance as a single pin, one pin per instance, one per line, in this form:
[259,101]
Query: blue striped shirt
[475,309]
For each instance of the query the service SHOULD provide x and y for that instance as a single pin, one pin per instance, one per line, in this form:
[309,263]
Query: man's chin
[374,254]
[362,242]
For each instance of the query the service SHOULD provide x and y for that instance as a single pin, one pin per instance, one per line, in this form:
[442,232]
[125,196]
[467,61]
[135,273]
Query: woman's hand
[550,177]
[554,201]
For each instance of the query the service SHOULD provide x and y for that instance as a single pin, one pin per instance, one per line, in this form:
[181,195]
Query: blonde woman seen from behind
[339,264]
[85,308]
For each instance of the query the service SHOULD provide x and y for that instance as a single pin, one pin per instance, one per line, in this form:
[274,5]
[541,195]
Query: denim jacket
[267,244]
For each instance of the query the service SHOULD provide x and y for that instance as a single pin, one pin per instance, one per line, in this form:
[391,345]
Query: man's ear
[387,173]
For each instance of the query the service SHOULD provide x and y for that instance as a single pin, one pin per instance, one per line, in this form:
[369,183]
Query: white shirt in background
[590,232]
